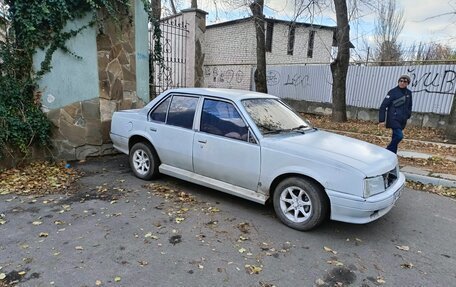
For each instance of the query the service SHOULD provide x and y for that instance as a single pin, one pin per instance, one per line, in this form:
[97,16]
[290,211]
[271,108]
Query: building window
[310,48]
[291,40]
[269,30]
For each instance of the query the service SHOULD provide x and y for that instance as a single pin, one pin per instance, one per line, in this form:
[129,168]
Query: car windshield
[272,116]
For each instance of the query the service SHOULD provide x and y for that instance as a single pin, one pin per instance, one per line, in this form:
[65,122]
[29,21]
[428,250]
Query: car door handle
[202,141]
[153,129]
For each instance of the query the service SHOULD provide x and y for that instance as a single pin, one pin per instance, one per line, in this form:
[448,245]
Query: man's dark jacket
[396,116]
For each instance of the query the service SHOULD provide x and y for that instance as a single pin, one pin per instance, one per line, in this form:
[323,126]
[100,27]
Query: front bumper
[353,209]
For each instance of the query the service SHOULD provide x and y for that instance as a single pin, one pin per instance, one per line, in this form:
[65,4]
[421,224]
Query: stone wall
[81,129]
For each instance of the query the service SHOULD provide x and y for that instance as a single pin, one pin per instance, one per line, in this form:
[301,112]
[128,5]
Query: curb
[429,179]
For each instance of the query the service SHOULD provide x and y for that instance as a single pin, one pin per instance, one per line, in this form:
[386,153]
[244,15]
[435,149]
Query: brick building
[230,49]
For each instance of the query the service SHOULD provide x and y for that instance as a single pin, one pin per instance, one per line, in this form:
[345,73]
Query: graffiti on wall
[275,78]
[433,82]
[220,75]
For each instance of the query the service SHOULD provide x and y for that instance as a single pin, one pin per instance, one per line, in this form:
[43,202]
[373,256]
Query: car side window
[159,113]
[182,111]
[222,118]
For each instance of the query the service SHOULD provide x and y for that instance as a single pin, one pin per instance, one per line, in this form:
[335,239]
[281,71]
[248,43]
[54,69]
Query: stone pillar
[195,42]
[117,67]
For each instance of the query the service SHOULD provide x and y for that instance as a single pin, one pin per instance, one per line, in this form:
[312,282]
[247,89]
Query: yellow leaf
[335,262]
[37,222]
[252,269]
[179,219]
[98,282]
[2,276]
[21,273]
[43,234]
[2,221]
[327,249]
[117,279]
[242,250]
[79,248]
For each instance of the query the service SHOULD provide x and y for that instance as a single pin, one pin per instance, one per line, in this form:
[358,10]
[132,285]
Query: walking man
[395,110]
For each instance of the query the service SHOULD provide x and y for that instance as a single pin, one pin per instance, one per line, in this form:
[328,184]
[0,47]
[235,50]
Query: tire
[144,161]
[300,203]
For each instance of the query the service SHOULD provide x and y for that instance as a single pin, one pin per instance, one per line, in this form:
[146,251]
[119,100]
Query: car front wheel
[300,203]
[144,161]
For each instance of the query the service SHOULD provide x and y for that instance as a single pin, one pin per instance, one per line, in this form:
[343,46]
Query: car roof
[232,94]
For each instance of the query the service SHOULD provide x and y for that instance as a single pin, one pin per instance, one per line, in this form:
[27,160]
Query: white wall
[230,51]
[230,44]
[321,51]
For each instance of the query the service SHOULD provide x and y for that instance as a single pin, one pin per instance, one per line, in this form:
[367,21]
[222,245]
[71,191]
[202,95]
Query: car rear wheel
[300,203]
[144,161]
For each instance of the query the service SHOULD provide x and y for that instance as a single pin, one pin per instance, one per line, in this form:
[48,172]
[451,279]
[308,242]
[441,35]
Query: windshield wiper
[299,128]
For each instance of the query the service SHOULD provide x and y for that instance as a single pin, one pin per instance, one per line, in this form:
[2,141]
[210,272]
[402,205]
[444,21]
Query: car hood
[328,147]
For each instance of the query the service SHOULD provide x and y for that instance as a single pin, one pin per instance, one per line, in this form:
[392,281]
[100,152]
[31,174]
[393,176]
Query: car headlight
[373,185]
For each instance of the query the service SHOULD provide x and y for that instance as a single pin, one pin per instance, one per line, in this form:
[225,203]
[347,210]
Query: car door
[171,130]
[224,147]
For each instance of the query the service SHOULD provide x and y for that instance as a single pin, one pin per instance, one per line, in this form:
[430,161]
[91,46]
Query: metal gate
[170,72]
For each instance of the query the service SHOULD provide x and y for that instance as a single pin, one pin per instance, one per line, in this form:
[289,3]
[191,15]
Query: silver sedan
[254,146]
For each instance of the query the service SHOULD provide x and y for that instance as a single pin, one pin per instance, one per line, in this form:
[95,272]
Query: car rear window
[182,111]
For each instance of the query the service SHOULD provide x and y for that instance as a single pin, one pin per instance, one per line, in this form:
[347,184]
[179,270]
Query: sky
[425,21]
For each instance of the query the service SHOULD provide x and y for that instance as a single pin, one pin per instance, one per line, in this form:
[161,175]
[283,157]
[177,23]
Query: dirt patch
[14,277]
[339,276]
[371,128]
[433,164]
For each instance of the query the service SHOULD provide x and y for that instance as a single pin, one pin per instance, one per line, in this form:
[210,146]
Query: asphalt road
[118,232]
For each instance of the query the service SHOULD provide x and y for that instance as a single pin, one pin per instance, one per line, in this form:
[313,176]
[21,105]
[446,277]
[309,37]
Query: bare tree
[339,67]
[433,53]
[257,7]
[389,25]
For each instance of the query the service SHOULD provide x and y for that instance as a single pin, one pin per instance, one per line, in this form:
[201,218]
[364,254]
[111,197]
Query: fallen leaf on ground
[327,249]
[244,227]
[43,234]
[79,248]
[403,247]
[407,265]
[38,178]
[252,269]
[117,279]
[335,262]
